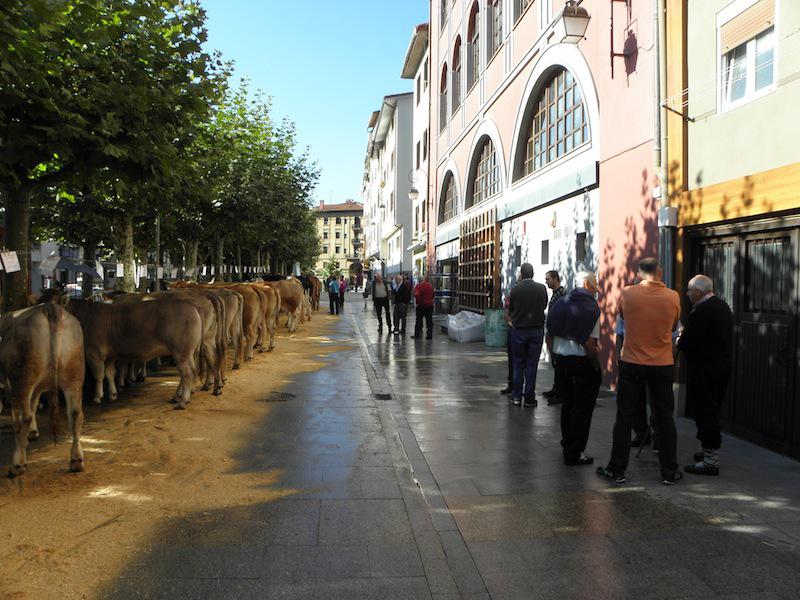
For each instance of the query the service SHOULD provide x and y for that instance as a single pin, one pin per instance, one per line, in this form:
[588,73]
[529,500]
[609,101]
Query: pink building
[525,166]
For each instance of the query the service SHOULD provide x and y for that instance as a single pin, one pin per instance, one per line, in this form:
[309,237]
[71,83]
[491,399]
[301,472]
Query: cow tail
[51,312]
[277,307]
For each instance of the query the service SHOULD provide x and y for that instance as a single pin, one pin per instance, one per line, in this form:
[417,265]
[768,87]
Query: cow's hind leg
[111,372]
[33,430]
[186,369]
[98,369]
[75,419]
[22,417]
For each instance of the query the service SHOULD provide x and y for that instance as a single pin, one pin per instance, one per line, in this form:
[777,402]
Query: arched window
[557,124]
[448,204]
[443,99]
[485,175]
[457,74]
[474,45]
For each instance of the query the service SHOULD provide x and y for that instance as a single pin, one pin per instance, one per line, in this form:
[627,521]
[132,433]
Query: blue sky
[326,64]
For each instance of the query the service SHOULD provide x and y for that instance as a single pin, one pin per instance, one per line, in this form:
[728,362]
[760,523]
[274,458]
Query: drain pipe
[667,215]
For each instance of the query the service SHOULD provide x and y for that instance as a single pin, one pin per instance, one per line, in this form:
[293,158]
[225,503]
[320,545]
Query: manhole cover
[383,396]
[278,397]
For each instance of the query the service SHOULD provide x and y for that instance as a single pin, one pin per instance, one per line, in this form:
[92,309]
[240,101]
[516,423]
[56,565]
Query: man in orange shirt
[651,312]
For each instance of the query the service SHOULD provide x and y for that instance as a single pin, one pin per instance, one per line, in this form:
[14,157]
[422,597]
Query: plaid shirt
[557,293]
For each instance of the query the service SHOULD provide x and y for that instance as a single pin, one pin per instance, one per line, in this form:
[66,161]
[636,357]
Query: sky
[327,66]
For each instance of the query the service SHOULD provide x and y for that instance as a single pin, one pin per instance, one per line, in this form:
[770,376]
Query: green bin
[496,328]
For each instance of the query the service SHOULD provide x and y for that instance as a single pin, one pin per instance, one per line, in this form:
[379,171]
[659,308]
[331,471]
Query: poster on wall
[10,261]
[48,264]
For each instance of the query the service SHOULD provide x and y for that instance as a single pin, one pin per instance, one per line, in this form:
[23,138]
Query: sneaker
[698,457]
[701,468]
[641,440]
[549,393]
[582,461]
[506,390]
[530,401]
[607,473]
[516,401]
[673,478]
[553,400]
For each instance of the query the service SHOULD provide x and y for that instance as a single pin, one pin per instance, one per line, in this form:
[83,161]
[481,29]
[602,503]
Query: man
[651,312]
[526,311]
[573,326]
[342,290]
[554,395]
[423,296]
[333,295]
[402,298]
[380,299]
[509,352]
[707,341]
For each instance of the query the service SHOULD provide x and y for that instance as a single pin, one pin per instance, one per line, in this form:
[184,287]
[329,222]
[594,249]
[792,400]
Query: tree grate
[383,396]
[278,397]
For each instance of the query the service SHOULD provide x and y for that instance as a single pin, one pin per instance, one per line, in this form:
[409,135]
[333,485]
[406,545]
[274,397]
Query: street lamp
[413,193]
[571,24]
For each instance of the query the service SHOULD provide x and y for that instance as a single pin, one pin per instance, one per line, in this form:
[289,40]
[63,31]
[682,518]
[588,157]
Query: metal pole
[156,280]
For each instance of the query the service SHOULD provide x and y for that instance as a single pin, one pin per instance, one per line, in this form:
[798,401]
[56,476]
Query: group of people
[336,293]
[651,335]
[399,292]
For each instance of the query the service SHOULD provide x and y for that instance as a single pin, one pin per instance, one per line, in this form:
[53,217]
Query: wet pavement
[407,475]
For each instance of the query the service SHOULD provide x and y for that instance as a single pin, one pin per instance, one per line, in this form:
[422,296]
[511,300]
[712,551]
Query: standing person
[707,341]
[402,298]
[367,291]
[526,311]
[573,326]
[423,296]
[380,299]
[509,352]
[651,312]
[342,290]
[333,295]
[554,395]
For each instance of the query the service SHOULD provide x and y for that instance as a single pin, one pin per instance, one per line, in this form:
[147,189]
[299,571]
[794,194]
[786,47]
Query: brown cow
[291,292]
[141,331]
[316,290]
[272,308]
[41,351]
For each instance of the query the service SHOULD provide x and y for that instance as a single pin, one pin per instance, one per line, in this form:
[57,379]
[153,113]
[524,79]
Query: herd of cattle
[47,347]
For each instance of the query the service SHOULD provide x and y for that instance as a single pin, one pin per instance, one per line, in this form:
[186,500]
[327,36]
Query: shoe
[607,473]
[672,479]
[701,468]
[641,439]
[553,400]
[516,401]
[416,337]
[582,461]
[698,457]
[530,401]
[506,390]
[428,337]
[549,393]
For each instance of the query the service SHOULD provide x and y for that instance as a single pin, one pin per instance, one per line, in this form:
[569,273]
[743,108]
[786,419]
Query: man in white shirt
[574,322]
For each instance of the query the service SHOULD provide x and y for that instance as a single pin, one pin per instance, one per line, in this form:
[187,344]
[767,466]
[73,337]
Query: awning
[77,267]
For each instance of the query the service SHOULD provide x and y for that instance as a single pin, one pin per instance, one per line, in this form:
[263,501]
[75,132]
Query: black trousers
[635,381]
[382,304]
[510,354]
[706,384]
[559,377]
[400,314]
[334,303]
[581,383]
[424,312]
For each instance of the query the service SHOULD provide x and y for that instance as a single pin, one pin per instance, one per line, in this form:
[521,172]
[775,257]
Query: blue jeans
[526,346]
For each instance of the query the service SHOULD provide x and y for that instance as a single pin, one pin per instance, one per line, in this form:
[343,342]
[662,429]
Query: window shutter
[747,25]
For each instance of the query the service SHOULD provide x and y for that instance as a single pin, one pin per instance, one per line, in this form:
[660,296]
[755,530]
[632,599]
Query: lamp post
[571,24]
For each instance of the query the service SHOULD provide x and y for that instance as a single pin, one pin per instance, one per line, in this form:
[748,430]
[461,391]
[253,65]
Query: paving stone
[395,560]
[357,521]
[327,562]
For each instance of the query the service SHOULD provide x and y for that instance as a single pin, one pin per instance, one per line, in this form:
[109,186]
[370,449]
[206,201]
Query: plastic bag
[466,326]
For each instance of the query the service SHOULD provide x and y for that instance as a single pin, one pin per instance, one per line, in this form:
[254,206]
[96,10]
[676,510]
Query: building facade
[386,184]
[339,228]
[733,93]
[524,165]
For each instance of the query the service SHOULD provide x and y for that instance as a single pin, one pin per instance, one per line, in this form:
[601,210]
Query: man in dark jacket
[381,293]
[707,341]
[526,311]
[402,298]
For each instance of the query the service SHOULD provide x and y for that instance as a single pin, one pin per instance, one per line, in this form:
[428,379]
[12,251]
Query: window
[325,220]
[357,222]
[457,75]
[487,176]
[324,235]
[338,220]
[474,52]
[391,201]
[338,249]
[580,248]
[443,99]
[425,75]
[748,69]
[425,145]
[443,12]
[518,256]
[495,29]
[338,235]
[324,249]
[558,124]
[545,15]
[521,5]
[419,86]
[545,252]
[418,155]
[448,206]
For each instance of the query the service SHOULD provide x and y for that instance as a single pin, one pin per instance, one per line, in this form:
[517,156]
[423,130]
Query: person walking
[380,299]
[554,395]
[651,312]
[333,295]
[367,292]
[401,298]
[526,311]
[342,290]
[573,326]
[707,341]
[424,296]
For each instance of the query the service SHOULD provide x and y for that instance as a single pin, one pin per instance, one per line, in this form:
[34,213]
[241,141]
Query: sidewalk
[492,476]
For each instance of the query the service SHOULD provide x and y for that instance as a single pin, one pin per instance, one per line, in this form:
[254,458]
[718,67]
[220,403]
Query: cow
[316,290]
[42,351]
[141,331]
[272,308]
[291,292]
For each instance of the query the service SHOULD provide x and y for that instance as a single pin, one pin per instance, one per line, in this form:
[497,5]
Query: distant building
[339,229]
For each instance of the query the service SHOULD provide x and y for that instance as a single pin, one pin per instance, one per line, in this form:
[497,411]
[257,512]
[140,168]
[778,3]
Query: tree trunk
[89,251]
[17,238]
[238,275]
[191,260]
[157,244]
[126,247]
[218,258]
